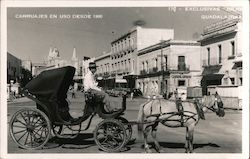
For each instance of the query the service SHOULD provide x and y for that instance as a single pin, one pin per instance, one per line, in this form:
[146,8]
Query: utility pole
[162,68]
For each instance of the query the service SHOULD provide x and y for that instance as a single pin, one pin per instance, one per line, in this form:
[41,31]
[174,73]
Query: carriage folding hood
[52,84]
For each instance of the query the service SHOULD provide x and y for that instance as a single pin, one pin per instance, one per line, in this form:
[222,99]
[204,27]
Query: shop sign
[181,76]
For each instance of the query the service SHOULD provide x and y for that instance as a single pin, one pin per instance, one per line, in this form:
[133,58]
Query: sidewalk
[19,100]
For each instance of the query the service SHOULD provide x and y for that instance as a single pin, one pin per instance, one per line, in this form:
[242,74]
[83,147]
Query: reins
[210,108]
[187,117]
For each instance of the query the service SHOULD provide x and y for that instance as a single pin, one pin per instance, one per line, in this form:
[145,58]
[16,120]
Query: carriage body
[31,128]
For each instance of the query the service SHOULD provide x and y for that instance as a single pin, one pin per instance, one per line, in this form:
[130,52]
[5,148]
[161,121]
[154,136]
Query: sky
[30,37]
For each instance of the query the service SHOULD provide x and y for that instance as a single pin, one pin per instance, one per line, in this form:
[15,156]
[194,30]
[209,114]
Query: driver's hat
[92,65]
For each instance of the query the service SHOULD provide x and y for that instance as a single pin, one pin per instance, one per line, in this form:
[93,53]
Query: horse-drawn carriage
[31,128]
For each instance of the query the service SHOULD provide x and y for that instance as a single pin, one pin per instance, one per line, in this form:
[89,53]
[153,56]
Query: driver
[91,86]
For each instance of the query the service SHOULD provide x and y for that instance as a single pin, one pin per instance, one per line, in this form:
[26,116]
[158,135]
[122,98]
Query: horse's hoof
[148,151]
[161,151]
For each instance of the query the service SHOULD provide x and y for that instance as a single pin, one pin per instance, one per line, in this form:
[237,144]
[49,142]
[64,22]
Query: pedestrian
[91,85]
[132,95]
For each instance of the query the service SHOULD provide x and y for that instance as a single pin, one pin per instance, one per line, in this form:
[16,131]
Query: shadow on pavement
[182,145]
[82,141]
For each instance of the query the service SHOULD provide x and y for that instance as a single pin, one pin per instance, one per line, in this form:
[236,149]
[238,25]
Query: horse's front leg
[153,133]
[189,139]
[145,135]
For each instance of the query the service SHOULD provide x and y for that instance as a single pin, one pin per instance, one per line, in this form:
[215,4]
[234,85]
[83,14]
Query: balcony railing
[183,67]
[211,62]
[106,74]
[143,72]
[113,73]
[155,70]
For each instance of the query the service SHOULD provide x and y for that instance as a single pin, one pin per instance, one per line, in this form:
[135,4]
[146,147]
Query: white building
[167,66]
[123,57]
[222,54]
[222,60]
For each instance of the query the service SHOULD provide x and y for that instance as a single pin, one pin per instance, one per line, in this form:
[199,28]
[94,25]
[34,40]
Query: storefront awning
[213,76]
[118,80]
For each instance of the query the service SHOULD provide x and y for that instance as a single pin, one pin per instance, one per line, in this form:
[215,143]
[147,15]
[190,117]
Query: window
[233,48]
[208,56]
[220,53]
[181,63]
[181,82]
[232,81]
[240,81]
[166,62]
[147,66]
[156,63]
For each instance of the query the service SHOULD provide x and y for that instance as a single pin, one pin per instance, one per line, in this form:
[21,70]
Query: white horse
[166,112]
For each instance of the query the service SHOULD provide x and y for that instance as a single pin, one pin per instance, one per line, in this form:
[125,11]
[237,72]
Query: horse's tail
[140,120]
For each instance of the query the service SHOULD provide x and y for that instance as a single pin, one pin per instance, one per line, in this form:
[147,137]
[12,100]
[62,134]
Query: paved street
[213,135]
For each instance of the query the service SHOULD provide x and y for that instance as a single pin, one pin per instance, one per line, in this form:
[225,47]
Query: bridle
[212,108]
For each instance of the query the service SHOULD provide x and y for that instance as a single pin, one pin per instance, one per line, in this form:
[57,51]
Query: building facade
[124,50]
[167,66]
[14,66]
[14,75]
[222,56]
[103,71]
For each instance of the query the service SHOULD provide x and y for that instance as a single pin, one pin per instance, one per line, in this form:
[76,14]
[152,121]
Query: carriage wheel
[128,128]
[30,128]
[110,135]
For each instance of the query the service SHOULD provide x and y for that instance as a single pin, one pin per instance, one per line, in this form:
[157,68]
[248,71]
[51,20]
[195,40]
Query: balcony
[113,74]
[183,67]
[211,62]
[143,72]
[106,74]
[153,70]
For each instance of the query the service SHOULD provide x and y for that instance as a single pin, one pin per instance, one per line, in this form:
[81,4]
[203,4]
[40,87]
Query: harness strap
[199,110]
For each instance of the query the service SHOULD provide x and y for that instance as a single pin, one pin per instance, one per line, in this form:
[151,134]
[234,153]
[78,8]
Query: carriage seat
[88,96]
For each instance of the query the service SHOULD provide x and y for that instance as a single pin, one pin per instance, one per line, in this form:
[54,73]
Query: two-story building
[167,66]
[222,55]
[124,50]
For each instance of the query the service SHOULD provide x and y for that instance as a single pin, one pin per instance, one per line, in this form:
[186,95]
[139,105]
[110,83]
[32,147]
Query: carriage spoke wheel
[110,135]
[30,128]
[128,128]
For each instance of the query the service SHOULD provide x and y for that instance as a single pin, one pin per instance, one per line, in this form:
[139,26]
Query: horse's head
[214,103]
